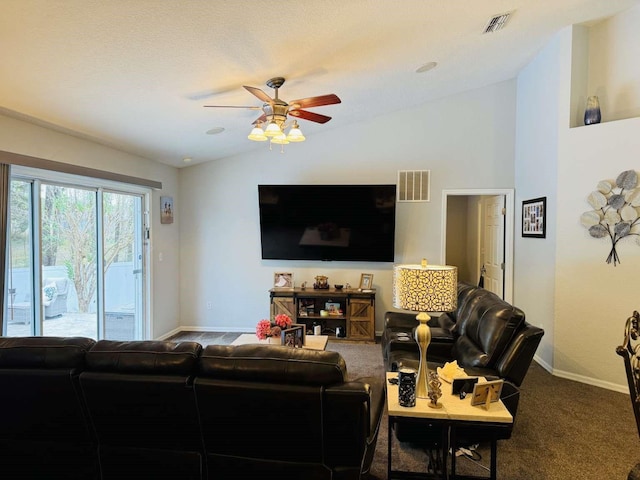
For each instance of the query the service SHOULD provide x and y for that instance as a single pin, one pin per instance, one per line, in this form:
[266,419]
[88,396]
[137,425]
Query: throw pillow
[49,293]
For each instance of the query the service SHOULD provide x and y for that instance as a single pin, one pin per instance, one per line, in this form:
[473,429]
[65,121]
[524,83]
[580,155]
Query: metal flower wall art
[615,211]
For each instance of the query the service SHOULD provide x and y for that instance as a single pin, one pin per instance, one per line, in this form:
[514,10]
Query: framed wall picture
[166,209]
[534,218]
[366,281]
[283,280]
[293,337]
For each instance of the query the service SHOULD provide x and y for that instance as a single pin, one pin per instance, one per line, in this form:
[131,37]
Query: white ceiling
[135,74]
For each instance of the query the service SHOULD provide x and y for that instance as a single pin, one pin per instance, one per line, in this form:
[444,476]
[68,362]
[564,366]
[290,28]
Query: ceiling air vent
[413,185]
[497,22]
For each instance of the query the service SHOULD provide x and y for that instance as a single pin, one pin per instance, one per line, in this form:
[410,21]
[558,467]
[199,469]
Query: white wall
[563,282]
[593,299]
[614,68]
[21,137]
[467,141]
[538,105]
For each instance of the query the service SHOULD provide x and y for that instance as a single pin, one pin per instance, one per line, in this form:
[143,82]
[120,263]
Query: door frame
[37,177]
[509,225]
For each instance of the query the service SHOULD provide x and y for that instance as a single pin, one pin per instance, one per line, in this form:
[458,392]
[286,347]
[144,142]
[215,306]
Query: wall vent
[496,23]
[414,185]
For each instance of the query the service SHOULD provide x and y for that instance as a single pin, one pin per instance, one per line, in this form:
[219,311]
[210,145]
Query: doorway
[478,237]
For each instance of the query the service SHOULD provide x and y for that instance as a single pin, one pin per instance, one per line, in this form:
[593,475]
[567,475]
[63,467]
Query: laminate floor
[205,338]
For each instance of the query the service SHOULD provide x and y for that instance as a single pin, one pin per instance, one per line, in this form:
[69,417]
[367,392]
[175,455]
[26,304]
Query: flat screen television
[328,222]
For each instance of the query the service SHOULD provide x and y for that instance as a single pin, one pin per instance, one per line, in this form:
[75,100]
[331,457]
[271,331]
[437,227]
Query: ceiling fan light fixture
[295,135]
[257,135]
[272,130]
[280,139]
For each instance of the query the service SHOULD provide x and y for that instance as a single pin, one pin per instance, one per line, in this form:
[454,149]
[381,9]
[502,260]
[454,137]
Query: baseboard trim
[170,333]
[581,378]
[543,364]
[591,381]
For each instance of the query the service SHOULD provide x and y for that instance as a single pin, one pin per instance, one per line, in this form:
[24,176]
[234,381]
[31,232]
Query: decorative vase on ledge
[592,112]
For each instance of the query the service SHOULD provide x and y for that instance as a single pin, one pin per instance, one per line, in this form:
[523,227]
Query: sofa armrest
[351,417]
[515,361]
[375,386]
[377,401]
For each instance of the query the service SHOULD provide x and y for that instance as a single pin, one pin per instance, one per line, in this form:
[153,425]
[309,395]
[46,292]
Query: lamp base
[423,338]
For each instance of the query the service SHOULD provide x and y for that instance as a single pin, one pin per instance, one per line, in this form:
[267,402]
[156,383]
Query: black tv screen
[328,222]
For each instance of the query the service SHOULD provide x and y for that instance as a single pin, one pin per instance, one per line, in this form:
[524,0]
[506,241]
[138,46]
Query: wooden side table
[454,413]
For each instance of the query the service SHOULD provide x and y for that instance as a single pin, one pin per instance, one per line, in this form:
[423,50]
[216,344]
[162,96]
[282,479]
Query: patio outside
[79,325]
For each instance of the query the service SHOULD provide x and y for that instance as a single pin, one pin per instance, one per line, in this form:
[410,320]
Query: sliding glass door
[123,264]
[76,261]
[68,235]
[19,280]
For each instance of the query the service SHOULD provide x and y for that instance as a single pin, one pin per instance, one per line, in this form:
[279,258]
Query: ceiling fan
[276,110]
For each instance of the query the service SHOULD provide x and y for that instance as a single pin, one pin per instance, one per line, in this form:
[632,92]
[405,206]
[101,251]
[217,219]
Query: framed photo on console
[293,337]
[283,280]
[366,281]
[303,327]
[534,218]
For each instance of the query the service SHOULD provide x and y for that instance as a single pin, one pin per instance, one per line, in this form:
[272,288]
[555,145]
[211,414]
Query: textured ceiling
[135,74]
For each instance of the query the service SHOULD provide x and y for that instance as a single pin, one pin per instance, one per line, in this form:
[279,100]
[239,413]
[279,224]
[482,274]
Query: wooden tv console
[353,310]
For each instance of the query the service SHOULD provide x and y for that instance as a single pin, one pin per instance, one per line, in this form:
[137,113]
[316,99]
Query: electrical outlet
[209,305]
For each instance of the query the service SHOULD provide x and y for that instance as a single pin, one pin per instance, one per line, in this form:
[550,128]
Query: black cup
[407,387]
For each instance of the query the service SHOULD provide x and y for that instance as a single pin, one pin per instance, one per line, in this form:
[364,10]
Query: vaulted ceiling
[135,74]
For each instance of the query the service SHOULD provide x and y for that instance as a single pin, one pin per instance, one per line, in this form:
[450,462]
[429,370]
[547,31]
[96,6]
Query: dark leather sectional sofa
[77,409]
[485,335]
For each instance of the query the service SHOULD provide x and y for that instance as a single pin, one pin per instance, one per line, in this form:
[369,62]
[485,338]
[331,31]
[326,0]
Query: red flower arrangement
[266,328]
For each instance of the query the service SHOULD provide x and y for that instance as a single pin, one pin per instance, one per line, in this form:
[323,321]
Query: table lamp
[424,288]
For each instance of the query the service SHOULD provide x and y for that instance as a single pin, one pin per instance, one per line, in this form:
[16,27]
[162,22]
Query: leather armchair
[281,413]
[485,335]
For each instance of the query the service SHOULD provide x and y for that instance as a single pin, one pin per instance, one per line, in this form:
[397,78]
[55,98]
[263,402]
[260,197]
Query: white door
[493,247]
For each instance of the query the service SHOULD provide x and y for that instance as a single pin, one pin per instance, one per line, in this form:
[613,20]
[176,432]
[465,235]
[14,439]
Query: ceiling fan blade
[259,93]
[261,119]
[319,101]
[232,106]
[311,116]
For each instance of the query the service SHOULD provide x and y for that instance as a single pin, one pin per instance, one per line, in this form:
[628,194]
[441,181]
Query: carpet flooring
[563,429]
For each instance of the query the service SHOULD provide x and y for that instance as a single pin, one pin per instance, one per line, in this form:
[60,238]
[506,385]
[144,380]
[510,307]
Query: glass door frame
[36,178]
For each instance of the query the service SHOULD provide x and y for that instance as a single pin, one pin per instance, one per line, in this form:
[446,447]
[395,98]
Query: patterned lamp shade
[425,288]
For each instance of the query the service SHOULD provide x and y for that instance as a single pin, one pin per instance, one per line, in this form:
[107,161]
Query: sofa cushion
[465,291]
[154,357]
[276,364]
